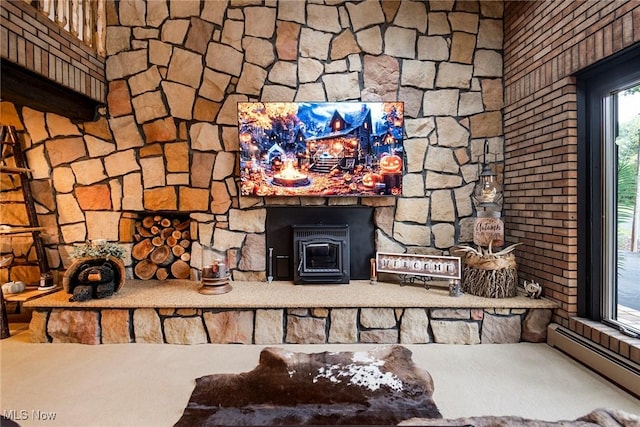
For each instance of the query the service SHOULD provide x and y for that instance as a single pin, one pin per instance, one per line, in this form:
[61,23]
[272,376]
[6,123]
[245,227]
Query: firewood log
[186,257]
[178,250]
[162,273]
[183,225]
[180,270]
[166,232]
[157,241]
[147,222]
[143,231]
[162,256]
[145,269]
[185,243]
[171,241]
[141,249]
[165,223]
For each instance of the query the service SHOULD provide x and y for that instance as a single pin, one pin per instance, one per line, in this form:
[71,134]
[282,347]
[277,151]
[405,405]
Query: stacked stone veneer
[167,139]
[291,326]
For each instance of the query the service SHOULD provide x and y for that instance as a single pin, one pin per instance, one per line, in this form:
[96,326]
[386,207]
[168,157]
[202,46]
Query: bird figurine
[533,289]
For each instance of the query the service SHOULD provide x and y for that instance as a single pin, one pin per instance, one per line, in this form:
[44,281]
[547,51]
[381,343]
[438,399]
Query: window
[608,202]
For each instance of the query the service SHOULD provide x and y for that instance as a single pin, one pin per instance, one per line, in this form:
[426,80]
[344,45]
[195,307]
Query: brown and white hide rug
[378,387]
[603,417]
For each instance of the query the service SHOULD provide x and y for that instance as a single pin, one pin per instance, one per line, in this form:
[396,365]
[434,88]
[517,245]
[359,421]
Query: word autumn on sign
[488,230]
[419,265]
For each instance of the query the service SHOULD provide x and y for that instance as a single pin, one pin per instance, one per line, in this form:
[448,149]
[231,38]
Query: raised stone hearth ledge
[283,294]
[175,312]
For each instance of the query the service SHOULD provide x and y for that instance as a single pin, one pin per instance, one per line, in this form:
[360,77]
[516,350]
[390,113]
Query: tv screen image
[321,148]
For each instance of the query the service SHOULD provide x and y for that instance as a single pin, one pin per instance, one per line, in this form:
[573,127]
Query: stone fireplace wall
[167,139]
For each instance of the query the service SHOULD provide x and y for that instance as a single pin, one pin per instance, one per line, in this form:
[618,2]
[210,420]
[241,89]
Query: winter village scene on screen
[321,149]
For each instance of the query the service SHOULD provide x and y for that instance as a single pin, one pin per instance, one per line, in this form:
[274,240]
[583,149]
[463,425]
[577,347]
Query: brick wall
[545,44]
[28,38]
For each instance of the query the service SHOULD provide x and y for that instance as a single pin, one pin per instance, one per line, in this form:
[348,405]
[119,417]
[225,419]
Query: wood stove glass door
[320,257]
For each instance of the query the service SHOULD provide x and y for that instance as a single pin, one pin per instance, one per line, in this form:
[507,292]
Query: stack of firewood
[163,248]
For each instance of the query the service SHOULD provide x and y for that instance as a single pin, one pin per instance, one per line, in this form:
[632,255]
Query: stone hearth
[174,312]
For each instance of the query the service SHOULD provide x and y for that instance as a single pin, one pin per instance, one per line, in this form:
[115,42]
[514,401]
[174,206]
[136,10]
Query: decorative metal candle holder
[215,279]
[373,279]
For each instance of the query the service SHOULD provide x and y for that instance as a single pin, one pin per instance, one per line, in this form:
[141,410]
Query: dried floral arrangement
[98,249]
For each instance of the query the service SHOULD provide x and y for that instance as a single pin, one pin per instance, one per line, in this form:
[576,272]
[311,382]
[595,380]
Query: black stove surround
[333,244]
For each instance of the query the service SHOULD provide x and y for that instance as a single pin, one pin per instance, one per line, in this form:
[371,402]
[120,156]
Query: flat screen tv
[321,148]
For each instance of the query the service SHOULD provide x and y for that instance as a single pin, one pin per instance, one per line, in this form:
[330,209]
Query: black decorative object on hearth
[94,277]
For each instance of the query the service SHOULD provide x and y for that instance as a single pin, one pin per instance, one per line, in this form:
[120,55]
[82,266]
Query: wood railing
[85,19]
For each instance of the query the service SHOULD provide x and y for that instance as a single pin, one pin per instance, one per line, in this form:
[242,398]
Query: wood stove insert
[321,254]
[279,232]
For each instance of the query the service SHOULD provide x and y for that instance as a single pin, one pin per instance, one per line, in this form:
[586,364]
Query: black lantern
[488,192]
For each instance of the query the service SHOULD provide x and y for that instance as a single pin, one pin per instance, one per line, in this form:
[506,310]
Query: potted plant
[98,249]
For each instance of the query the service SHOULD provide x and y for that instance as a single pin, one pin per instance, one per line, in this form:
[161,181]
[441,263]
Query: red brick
[627,29]
[625,349]
[540,126]
[634,353]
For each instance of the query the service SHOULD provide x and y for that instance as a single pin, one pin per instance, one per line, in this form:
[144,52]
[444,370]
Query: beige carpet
[149,385]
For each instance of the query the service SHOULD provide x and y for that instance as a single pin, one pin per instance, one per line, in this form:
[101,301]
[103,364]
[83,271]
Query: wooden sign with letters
[447,267]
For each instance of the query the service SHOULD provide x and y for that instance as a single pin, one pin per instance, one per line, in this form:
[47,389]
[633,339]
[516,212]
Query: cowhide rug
[378,387]
[605,417]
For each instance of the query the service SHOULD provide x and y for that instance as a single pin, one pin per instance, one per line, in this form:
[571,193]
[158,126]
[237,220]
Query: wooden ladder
[12,162]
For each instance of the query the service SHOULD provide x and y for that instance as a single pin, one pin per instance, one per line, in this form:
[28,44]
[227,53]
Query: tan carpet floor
[149,385]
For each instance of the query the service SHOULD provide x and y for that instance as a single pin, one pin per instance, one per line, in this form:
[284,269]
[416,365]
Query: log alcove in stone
[163,247]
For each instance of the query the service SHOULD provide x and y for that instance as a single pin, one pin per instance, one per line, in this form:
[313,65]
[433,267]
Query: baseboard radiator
[610,365]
